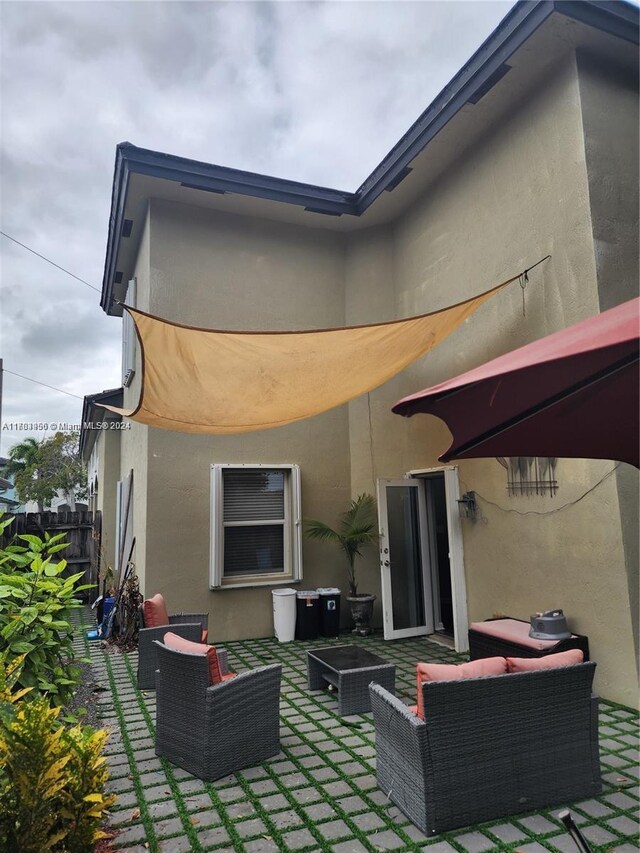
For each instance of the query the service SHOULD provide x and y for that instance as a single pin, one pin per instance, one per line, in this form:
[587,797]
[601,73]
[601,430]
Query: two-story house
[531,150]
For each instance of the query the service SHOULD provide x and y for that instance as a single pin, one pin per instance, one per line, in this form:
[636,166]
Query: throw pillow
[155,611]
[569,658]
[179,644]
[453,672]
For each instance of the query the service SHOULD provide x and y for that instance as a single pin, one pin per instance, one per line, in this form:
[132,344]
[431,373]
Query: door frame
[456,551]
[391,633]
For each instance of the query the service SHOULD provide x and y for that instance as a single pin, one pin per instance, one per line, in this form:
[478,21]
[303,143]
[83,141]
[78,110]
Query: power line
[53,264]
[28,378]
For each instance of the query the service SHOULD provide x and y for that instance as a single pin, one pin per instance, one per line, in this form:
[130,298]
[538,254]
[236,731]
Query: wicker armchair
[489,747]
[191,626]
[212,731]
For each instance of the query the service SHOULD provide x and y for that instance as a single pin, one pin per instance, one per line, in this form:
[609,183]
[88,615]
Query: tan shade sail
[208,381]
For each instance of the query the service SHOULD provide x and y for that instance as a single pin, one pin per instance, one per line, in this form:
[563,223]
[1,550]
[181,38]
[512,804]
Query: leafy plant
[52,782]
[9,695]
[35,600]
[356,528]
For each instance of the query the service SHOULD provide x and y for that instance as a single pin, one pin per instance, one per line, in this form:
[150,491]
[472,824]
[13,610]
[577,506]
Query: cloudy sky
[312,91]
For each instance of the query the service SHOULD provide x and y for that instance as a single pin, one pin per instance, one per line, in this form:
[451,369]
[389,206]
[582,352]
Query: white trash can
[284,614]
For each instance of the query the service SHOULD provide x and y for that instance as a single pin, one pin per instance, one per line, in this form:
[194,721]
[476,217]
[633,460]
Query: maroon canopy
[572,394]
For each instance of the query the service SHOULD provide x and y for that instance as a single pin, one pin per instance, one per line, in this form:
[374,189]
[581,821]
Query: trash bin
[329,611]
[284,614]
[307,614]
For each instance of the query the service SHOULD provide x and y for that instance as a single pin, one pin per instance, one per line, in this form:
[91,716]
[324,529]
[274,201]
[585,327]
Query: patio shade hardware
[571,394]
[228,382]
[523,280]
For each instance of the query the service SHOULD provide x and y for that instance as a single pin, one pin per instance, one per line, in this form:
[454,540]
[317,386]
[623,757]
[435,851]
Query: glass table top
[346,657]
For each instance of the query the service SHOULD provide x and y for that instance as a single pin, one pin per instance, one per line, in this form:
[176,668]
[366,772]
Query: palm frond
[357,526]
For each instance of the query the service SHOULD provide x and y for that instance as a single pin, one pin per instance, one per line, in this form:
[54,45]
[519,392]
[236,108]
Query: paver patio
[320,792]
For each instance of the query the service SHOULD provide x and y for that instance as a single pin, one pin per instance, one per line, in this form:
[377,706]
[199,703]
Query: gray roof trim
[112,397]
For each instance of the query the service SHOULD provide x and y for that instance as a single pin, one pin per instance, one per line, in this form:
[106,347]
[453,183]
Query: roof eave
[112,396]
[205,176]
[619,19]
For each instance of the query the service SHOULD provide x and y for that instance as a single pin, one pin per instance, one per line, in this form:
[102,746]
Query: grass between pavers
[295,810]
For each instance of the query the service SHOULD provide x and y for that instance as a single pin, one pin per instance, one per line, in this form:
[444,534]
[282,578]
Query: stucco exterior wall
[220,271]
[609,98]
[134,446]
[519,194]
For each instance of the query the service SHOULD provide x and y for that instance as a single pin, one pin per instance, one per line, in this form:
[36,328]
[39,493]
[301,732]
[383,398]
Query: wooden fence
[82,532]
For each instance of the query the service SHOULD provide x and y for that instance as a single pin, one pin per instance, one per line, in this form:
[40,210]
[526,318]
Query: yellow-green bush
[52,777]
[36,599]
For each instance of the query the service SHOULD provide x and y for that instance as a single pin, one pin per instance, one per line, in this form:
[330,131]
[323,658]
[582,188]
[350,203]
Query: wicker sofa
[212,731]
[489,747]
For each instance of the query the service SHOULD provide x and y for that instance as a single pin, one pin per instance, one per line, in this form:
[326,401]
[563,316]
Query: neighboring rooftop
[93,413]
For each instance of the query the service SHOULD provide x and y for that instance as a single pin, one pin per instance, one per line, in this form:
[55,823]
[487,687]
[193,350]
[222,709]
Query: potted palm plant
[356,527]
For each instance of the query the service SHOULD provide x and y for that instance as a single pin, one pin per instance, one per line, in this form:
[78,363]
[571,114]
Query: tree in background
[40,469]
[22,466]
[62,465]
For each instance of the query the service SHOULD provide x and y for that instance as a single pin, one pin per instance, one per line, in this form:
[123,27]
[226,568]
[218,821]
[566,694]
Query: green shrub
[52,778]
[35,600]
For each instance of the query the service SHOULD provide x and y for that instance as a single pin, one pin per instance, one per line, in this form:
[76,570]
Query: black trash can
[329,611]
[307,614]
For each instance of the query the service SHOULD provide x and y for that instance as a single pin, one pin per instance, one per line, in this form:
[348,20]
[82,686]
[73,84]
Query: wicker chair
[212,731]
[191,626]
[489,747]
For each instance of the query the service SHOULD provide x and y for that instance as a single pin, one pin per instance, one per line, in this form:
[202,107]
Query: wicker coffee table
[350,669]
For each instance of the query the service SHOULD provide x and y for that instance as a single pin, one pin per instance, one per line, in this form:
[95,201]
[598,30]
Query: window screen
[254,522]
[256,525]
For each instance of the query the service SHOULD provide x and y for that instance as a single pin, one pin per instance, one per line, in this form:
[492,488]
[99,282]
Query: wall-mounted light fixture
[467,506]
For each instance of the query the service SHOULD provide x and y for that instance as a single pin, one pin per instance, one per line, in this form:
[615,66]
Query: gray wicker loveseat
[212,730]
[489,747]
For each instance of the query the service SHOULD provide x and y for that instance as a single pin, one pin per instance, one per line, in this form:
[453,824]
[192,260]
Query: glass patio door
[406,595]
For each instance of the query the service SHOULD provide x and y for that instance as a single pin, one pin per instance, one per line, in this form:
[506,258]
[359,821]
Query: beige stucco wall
[612,155]
[134,446]
[220,271]
[519,194]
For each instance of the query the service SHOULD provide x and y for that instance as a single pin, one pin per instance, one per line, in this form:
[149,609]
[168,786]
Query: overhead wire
[68,272]
[49,261]
[44,384]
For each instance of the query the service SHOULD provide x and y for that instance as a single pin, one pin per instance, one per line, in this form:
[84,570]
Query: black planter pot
[361,612]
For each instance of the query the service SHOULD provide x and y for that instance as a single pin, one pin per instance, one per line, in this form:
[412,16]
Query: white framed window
[256,525]
[129,337]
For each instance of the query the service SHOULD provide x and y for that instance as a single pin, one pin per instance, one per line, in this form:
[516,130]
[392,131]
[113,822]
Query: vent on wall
[529,475]
[402,174]
[204,189]
[489,83]
[325,212]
